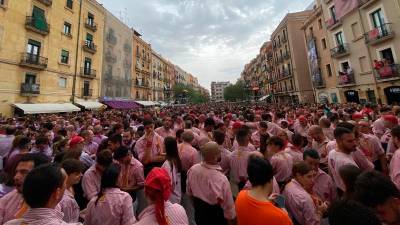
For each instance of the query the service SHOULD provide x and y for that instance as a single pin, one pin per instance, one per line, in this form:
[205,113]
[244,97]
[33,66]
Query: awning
[121,104]
[47,108]
[147,103]
[264,97]
[90,105]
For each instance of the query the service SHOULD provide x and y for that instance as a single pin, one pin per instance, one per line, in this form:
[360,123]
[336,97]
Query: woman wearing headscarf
[160,211]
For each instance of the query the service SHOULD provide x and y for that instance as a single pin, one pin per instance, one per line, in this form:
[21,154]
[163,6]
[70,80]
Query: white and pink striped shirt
[174,213]
[10,204]
[238,164]
[69,207]
[41,216]
[188,155]
[282,164]
[91,181]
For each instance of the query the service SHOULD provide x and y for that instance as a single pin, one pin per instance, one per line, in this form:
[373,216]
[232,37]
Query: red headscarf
[391,118]
[75,140]
[158,188]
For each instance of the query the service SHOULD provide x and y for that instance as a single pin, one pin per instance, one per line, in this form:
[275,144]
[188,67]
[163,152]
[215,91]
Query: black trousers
[206,214]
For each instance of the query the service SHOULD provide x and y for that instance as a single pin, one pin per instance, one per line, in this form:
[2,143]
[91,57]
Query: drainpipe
[76,56]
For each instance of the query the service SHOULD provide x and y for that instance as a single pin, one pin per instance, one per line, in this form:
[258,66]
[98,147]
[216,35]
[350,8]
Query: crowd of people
[244,164]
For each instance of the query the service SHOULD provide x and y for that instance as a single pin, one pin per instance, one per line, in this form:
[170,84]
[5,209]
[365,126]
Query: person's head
[263,126]
[377,191]
[364,127]
[10,130]
[98,130]
[74,169]
[167,122]
[87,135]
[103,159]
[297,140]
[109,179]
[188,124]
[23,143]
[303,121]
[219,137]
[25,164]
[304,174]
[324,122]
[44,186]
[140,131]
[114,142]
[311,157]
[76,143]
[345,140]
[171,150]
[148,126]
[316,133]
[390,121]
[260,172]
[350,212]
[178,135]
[349,174]
[211,153]
[209,124]
[187,136]
[275,144]
[42,142]
[395,132]
[127,136]
[242,137]
[282,134]
[157,188]
[118,128]
[122,155]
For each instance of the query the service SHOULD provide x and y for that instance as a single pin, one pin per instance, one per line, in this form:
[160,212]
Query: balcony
[111,39]
[30,89]
[33,61]
[88,73]
[284,39]
[37,25]
[286,55]
[388,72]
[333,23]
[89,47]
[46,2]
[346,79]
[340,51]
[87,93]
[319,83]
[365,3]
[91,25]
[379,34]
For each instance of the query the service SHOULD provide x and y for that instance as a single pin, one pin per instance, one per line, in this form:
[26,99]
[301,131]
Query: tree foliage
[187,93]
[236,92]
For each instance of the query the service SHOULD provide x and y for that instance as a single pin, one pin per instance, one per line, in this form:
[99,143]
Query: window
[70,4]
[30,79]
[88,65]
[323,41]
[377,18]
[39,19]
[64,56]
[62,82]
[33,50]
[2,2]
[67,28]
[90,19]
[332,10]
[339,38]
[86,88]
[329,70]
[387,55]
[320,24]
[344,66]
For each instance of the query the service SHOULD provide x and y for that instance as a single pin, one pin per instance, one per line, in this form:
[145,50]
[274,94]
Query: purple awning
[121,104]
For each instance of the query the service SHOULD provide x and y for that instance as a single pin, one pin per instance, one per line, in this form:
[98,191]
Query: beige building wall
[158,74]
[142,77]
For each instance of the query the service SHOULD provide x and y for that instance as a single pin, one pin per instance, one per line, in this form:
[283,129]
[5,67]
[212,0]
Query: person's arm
[128,218]
[383,161]
[362,161]
[89,189]
[227,203]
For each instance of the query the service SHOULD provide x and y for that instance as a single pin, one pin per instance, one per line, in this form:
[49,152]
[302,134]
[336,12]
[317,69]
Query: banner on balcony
[343,7]
[313,61]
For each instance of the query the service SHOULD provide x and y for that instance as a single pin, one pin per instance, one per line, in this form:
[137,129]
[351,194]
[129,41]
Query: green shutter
[89,37]
[39,19]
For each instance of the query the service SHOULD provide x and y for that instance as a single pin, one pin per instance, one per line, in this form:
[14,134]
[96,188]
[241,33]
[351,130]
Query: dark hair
[148,122]
[104,158]
[42,140]
[349,174]
[242,135]
[312,153]
[219,137]
[37,158]
[120,153]
[346,125]
[395,131]
[298,140]
[10,130]
[72,166]
[23,142]
[109,179]
[48,126]
[179,133]
[172,155]
[373,188]
[263,124]
[350,212]
[275,140]
[259,171]
[115,138]
[209,122]
[40,184]
[301,168]
[340,131]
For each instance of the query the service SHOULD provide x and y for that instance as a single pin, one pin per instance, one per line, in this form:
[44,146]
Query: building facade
[291,80]
[322,70]
[217,90]
[142,75]
[117,59]
[159,74]
[48,50]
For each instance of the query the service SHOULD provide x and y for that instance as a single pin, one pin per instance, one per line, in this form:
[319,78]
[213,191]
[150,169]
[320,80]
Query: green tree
[236,92]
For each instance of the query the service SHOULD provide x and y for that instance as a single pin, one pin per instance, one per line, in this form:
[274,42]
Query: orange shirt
[250,211]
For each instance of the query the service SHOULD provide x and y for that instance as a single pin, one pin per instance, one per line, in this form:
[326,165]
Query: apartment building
[217,90]
[159,75]
[142,63]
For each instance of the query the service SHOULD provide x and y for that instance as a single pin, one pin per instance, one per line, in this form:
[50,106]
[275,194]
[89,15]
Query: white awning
[264,97]
[147,103]
[47,108]
[91,105]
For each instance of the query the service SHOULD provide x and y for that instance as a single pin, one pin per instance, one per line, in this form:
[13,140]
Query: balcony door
[377,18]
[339,38]
[30,79]
[33,50]
[86,88]
[332,10]
[87,66]
[39,18]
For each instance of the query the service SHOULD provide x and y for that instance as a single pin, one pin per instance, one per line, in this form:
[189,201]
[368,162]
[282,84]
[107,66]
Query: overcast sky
[212,39]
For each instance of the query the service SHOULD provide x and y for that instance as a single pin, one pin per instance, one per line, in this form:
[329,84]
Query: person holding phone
[253,206]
